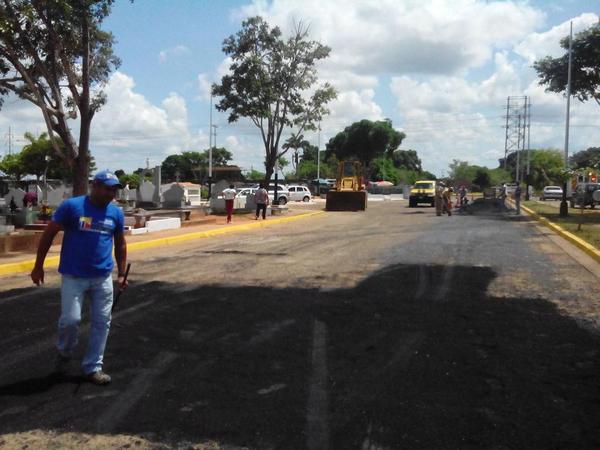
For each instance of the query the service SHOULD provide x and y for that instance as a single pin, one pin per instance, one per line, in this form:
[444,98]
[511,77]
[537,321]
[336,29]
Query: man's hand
[122,283]
[37,275]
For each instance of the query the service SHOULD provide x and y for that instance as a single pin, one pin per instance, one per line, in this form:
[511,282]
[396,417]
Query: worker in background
[462,195]
[447,200]
[229,196]
[518,198]
[438,200]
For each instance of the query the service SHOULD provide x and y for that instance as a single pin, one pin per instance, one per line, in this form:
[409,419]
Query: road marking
[444,282]
[318,397]
[111,417]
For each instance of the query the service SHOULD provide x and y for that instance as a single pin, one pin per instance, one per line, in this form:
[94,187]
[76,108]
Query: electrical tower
[518,122]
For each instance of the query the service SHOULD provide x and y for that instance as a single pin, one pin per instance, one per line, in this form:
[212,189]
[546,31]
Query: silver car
[299,193]
[551,193]
[283,195]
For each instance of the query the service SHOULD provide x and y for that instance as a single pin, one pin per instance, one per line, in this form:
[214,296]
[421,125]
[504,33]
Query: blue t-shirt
[88,240]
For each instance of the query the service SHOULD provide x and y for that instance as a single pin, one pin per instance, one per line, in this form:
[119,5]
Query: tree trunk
[81,167]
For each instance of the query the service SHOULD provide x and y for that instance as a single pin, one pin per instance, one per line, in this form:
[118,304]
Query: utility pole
[9,140]
[517,171]
[516,108]
[564,209]
[319,160]
[528,123]
[210,151]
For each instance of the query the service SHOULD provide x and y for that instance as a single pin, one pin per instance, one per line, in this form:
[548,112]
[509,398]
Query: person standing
[518,198]
[229,196]
[90,223]
[447,200]
[503,194]
[438,199]
[262,200]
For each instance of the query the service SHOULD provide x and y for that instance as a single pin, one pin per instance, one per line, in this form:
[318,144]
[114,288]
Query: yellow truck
[423,191]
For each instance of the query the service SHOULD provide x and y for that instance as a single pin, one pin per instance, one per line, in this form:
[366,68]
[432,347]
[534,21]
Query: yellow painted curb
[580,243]
[52,261]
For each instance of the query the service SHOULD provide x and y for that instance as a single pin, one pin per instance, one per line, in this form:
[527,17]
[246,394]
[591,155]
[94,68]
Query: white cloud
[177,51]
[204,87]
[437,37]
[547,43]
[130,128]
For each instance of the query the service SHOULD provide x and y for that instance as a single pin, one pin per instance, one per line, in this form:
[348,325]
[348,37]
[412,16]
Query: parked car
[283,194]
[244,192]
[299,194]
[551,192]
[583,195]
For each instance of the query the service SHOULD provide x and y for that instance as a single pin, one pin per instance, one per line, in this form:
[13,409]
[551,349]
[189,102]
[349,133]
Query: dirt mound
[45,440]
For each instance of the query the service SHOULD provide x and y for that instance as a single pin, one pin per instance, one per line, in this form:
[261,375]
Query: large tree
[54,54]
[366,140]
[193,166]
[407,159]
[12,165]
[272,82]
[585,74]
[545,166]
[589,157]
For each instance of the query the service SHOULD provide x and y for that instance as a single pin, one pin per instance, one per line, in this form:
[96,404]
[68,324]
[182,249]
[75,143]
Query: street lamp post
[564,210]
[45,196]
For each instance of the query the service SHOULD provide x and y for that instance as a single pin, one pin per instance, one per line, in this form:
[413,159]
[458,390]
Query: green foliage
[482,178]
[365,140]
[132,179]
[12,166]
[34,155]
[382,168]
[193,166]
[476,178]
[255,175]
[269,80]
[585,72]
[54,54]
[586,158]
[407,159]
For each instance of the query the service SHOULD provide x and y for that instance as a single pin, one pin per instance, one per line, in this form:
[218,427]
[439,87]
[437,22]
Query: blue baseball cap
[107,178]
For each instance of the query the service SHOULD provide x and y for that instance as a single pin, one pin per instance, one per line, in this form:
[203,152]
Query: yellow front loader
[349,193]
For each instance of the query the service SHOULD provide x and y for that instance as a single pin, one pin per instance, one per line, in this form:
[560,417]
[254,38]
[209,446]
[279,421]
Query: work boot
[100,378]
[62,363]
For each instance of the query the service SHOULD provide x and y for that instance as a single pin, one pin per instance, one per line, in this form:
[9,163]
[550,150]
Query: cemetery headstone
[174,197]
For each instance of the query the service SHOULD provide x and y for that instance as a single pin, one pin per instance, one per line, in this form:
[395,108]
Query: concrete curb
[580,243]
[52,261]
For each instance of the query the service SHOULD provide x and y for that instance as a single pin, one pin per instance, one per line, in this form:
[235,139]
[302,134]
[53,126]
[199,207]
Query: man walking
[262,200]
[229,196]
[89,223]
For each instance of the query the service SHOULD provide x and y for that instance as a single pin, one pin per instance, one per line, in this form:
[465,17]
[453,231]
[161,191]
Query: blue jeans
[73,290]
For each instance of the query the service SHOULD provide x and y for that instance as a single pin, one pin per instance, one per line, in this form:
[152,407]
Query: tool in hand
[121,290]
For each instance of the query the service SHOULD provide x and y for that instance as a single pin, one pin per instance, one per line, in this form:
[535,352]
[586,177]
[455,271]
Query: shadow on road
[412,357]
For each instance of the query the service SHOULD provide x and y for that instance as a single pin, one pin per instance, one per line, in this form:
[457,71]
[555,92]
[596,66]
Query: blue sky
[440,70]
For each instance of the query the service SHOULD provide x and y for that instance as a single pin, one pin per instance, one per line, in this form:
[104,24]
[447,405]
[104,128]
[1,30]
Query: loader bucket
[346,201]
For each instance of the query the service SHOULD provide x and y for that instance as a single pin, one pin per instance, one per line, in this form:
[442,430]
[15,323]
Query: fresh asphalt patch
[415,356]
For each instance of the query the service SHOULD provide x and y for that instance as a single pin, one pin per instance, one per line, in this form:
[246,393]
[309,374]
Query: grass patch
[586,219]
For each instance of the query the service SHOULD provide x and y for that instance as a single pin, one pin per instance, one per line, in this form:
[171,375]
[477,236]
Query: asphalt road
[391,328]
